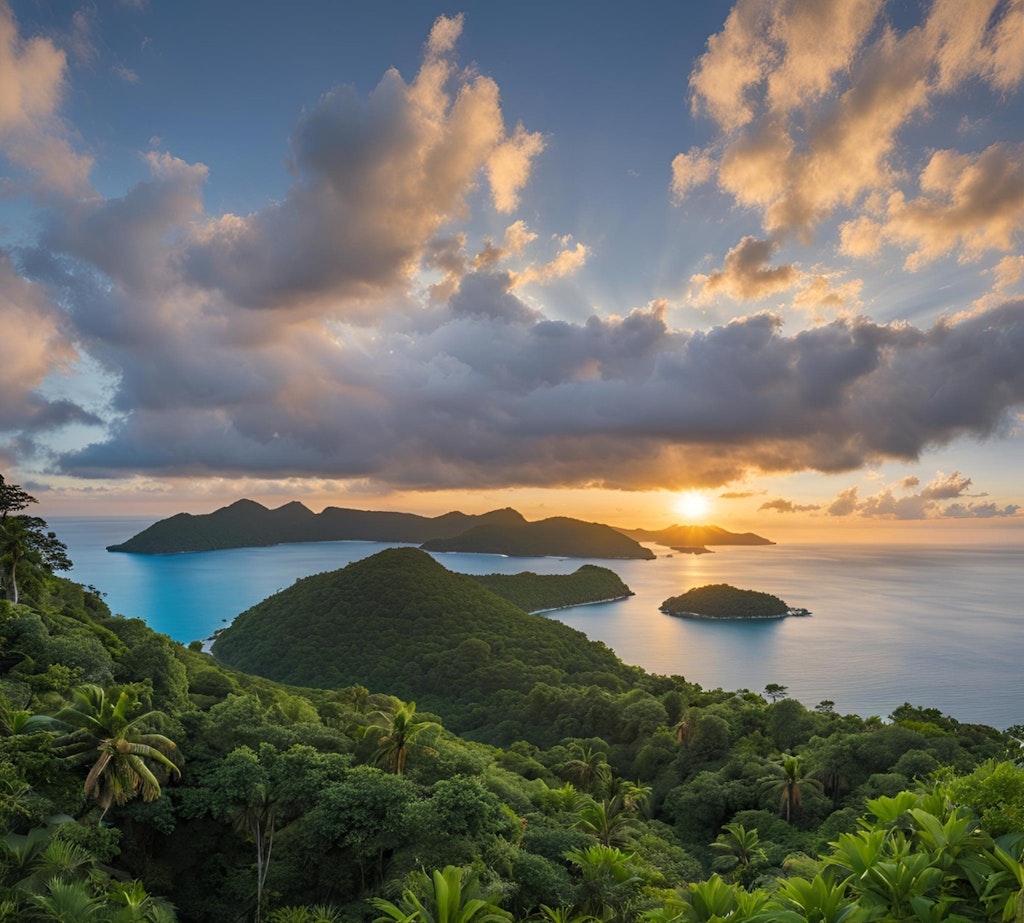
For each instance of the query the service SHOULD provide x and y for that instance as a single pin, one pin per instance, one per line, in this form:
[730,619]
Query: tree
[103,728]
[608,881]
[776,691]
[397,731]
[449,896]
[737,848]
[25,541]
[588,770]
[789,786]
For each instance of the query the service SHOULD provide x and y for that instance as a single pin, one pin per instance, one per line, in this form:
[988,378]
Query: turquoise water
[936,627]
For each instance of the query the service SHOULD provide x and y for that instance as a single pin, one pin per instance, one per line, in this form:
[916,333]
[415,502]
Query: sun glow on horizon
[693,506]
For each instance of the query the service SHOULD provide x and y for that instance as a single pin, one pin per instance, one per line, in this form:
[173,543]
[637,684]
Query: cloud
[689,171]
[568,260]
[746,273]
[812,100]
[788,506]
[925,504]
[946,487]
[377,181]
[32,345]
[487,391]
[32,134]
[844,504]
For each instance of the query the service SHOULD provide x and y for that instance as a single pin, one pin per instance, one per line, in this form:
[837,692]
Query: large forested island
[144,780]
[721,601]
[246,523]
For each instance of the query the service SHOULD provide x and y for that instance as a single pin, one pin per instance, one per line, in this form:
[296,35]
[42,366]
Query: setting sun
[692,505]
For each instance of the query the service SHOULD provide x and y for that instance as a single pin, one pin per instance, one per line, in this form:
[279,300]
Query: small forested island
[721,601]
[544,592]
[558,536]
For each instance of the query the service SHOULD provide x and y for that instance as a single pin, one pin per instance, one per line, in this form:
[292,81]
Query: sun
[692,505]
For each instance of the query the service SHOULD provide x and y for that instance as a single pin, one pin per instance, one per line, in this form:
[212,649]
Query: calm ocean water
[933,626]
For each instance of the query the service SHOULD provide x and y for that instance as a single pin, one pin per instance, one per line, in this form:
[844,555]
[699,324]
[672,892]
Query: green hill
[246,524]
[558,536]
[541,592]
[721,601]
[400,621]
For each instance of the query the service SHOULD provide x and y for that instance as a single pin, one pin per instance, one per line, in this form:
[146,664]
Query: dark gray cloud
[489,392]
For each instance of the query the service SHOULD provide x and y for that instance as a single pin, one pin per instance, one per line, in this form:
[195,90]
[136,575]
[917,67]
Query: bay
[934,626]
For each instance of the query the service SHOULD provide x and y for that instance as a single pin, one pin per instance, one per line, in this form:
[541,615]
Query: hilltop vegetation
[558,536]
[464,652]
[623,796]
[541,592]
[721,601]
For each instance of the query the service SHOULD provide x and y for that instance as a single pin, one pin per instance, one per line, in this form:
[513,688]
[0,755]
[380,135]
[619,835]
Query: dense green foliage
[721,601]
[541,592]
[246,523]
[400,621]
[558,536]
[634,798]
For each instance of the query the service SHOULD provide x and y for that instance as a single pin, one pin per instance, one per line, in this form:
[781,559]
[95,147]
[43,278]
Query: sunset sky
[580,258]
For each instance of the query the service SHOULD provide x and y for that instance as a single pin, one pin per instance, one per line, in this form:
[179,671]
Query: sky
[759,263]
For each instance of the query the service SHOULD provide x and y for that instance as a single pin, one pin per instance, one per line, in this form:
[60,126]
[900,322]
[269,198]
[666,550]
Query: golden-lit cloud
[903,502]
[746,273]
[812,100]
[378,180]
[32,134]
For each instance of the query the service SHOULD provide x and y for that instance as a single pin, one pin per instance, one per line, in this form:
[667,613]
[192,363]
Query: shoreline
[789,613]
[593,602]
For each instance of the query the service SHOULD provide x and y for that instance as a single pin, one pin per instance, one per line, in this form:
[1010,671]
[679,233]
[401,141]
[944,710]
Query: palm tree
[397,731]
[789,785]
[449,896]
[103,728]
[608,882]
[608,821]
[257,818]
[737,848]
[588,769]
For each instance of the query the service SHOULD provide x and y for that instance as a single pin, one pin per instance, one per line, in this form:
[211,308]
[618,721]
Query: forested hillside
[142,780]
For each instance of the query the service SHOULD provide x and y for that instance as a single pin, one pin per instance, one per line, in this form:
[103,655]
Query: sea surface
[937,627]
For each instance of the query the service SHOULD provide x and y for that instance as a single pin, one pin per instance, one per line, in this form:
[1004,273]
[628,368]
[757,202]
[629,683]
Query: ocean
[933,626]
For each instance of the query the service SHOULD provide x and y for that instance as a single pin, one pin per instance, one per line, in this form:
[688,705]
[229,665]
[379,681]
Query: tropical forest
[397,742]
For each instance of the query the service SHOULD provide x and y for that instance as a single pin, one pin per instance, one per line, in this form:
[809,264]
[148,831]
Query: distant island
[721,601]
[558,536]
[544,592]
[248,524]
[687,538]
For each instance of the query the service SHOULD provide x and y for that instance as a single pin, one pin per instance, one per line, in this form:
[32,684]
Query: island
[722,601]
[248,524]
[680,537]
[545,592]
[558,536]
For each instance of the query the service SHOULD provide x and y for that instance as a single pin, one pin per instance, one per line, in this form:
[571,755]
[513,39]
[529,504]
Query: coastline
[593,602]
[789,613]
